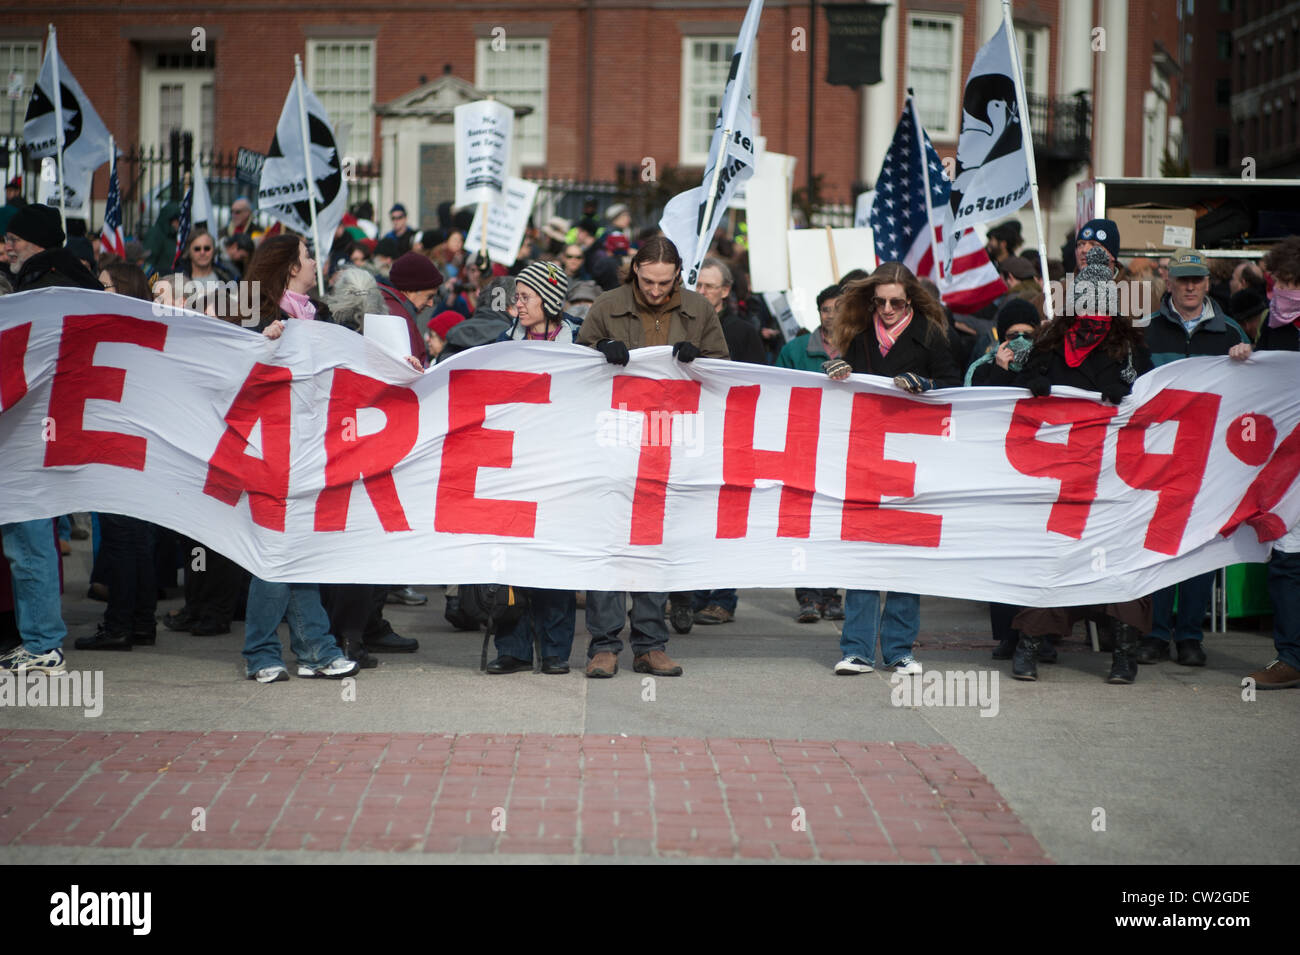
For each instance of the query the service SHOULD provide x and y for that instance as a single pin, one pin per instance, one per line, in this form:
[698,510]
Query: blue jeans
[862,620]
[726,599]
[1193,601]
[552,616]
[309,627]
[605,612]
[34,565]
[1284,588]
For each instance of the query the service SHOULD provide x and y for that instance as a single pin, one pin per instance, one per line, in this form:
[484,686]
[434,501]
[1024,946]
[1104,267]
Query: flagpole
[57,94]
[112,164]
[1027,138]
[306,153]
[925,177]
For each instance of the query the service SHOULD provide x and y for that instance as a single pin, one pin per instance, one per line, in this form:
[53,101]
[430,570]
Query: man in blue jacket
[1189,324]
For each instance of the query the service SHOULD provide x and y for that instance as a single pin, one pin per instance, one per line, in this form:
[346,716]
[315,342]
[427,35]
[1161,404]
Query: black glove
[483,262]
[685,352]
[1039,387]
[1115,394]
[836,366]
[910,381]
[615,352]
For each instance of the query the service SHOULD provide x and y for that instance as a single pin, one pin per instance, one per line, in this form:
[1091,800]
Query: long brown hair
[855,310]
[127,280]
[657,249]
[269,271]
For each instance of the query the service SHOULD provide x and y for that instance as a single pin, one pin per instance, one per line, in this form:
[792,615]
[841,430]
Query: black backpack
[496,606]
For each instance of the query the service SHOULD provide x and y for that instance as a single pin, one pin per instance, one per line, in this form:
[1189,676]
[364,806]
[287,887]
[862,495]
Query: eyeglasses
[201,248]
[708,286]
[894,304]
[570,255]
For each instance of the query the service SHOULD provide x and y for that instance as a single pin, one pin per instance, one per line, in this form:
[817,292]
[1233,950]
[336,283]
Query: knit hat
[616,210]
[556,228]
[444,321]
[1017,311]
[413,272]
[549,281]
[1247,304]
[1095,292]
[38,224]
[1101,230]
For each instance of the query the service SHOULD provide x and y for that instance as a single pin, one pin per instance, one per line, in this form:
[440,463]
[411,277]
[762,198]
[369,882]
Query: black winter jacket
[919,350]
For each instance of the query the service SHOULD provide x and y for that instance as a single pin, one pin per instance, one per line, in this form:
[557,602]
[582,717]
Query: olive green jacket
[614,315]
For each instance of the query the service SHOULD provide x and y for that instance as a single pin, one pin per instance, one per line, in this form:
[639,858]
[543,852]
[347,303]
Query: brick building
[610,83]
[1265,103]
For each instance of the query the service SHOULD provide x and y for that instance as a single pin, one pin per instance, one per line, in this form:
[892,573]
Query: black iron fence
[150,177]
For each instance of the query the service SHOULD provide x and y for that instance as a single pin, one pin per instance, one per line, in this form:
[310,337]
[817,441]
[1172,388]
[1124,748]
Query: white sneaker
[850,666]
[273,674]
[907,665]
[336,669]
[21,660]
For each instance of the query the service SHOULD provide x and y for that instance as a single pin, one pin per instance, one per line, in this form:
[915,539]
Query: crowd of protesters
[599,282]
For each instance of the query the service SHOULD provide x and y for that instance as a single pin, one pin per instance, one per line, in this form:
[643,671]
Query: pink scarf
[885,337]
[297,305]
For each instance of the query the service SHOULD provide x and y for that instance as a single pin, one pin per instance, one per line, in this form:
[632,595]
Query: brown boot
[603,665]
[1276,676]
[656,662]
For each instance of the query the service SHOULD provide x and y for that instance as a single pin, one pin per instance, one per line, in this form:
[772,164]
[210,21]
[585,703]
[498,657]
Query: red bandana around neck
[1085,335]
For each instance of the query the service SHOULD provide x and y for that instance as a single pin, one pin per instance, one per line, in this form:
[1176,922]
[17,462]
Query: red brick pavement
[596,795]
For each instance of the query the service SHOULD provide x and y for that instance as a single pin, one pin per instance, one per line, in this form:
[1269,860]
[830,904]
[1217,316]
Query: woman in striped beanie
[540,290]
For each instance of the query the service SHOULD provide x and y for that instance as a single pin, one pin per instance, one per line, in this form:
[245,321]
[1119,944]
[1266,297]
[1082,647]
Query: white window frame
[1042,49]
[955,75]
[361,152]
[191,82]
[29,76]
[537,118]
[685,156]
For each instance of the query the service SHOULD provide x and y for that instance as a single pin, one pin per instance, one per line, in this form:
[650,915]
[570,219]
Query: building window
[1221,146]
[21,56]
[1033,46]
[706,64]
[342,75]
[1222,92]
[933,65]
[1223,39]
[518,75]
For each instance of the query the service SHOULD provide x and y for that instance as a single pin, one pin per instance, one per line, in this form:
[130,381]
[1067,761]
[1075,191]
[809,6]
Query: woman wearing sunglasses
[888,325]
[201,266]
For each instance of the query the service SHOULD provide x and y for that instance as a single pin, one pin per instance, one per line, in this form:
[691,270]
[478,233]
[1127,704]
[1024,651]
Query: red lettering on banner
[871,476]
[78,379]
[13,376]
[1270,486]
[1177,475]
[349,457]
[657,400]
[1076,463]
[795,467]
[469,446]
[263,397]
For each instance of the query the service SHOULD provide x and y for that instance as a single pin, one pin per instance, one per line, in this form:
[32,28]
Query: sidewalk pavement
[757,752]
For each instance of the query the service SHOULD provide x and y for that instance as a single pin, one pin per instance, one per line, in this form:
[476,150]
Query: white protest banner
[389,332]
[320,457]
[992,172]
[767,217]
[84,135]
[781,311]
[76,188]
[506,223]
[812,269]
[484,133]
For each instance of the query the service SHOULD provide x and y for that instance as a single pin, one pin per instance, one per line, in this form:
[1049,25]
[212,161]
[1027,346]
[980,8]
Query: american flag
[898,218]
[111,237]
[183,228]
